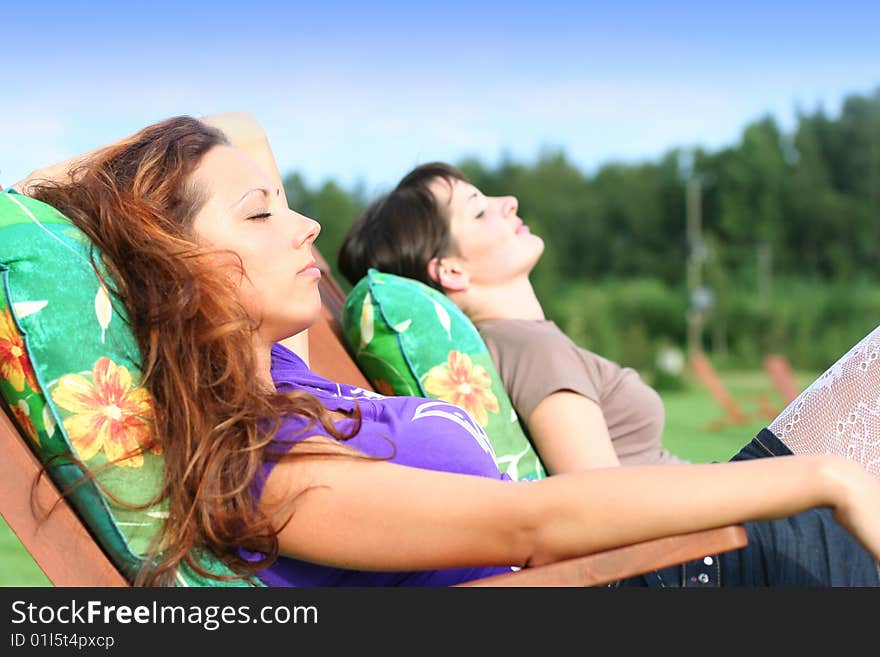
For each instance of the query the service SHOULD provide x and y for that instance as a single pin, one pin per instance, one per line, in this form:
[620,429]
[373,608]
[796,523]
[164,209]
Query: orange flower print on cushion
[108,414]
[460,382]
[15,366]
[22,413]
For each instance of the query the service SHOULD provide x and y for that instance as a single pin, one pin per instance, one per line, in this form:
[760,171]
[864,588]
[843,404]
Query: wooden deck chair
[779,370]
[734,414]
[67,552]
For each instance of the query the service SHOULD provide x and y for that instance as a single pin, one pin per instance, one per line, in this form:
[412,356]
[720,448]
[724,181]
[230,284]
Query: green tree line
[790,226]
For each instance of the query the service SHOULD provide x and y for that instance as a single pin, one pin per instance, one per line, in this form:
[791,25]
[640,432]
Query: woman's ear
[450,273]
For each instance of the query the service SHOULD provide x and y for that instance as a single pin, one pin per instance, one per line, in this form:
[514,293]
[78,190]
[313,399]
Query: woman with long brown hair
[302,481]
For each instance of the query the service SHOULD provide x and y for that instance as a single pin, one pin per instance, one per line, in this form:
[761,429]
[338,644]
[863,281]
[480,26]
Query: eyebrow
[262,190]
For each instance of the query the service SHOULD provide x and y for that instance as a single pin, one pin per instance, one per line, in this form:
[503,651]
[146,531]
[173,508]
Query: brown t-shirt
[535,359]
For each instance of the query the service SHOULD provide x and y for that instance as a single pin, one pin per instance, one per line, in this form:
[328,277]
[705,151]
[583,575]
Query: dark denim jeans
[807,549]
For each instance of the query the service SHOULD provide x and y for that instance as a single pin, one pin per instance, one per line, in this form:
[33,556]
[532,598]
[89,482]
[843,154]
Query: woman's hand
[857,505]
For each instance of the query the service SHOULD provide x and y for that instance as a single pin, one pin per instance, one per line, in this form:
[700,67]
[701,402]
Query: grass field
[688,414]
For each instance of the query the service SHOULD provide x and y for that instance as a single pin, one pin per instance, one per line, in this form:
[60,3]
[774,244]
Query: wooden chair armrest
[59,542]
[68,554]
[620,563]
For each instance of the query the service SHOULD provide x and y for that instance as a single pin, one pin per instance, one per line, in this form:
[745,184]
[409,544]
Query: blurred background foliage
[790,221]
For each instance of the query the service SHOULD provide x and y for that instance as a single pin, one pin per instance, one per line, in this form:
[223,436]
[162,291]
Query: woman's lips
[310,269]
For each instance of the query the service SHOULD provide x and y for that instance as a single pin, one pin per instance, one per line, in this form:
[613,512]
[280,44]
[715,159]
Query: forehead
[454,193]
[227,173]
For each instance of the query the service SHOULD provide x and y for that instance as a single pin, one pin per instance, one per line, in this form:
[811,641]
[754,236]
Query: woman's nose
[307,230]
[509,205]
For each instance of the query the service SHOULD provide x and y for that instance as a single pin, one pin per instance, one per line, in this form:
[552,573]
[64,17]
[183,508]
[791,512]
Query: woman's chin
[301,323]
[539,251]
[299,327]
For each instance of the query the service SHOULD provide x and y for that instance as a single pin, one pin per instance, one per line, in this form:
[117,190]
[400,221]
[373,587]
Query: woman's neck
[263,360]
[513,300]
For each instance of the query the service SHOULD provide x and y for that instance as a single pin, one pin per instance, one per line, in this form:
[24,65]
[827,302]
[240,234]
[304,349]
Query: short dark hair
[401,232]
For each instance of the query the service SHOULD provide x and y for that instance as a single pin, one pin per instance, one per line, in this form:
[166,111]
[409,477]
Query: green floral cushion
[409,339]
[69,370]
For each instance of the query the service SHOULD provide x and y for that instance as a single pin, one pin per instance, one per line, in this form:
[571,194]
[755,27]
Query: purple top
[427,433]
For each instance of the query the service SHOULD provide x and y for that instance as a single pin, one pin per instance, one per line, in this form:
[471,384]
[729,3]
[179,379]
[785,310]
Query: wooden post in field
[696,255]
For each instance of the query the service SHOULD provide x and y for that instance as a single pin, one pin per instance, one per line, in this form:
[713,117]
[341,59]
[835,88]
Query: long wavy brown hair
[213,419]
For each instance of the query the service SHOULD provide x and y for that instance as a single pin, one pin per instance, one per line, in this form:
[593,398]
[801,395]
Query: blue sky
[361,91]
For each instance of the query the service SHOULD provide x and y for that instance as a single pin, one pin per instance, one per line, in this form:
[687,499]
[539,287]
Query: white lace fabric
[839,413]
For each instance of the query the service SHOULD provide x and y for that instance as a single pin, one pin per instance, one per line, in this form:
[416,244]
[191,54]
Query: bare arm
[57,171]
[368,515]
[241,128]
[570,434]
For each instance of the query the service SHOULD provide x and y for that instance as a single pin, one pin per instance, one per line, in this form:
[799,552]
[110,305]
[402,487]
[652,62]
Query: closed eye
[262,215]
